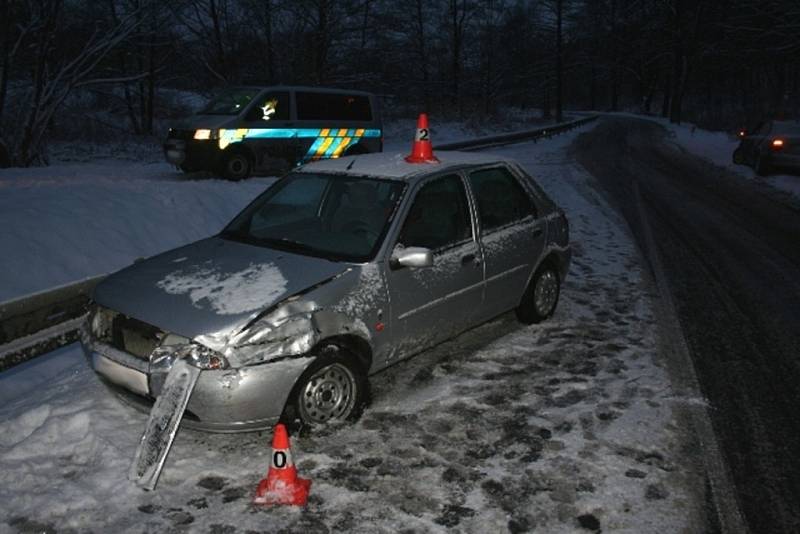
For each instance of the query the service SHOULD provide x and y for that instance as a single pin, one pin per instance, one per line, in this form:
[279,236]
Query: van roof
[305,88]
[394,165]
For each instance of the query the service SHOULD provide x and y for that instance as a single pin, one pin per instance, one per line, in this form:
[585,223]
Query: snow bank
[66,223]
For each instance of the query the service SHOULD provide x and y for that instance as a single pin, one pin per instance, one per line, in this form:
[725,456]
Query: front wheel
[333,388]
[235,166]
[540,297]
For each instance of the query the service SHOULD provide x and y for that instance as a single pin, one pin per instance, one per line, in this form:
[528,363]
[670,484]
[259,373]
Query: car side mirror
[411,257]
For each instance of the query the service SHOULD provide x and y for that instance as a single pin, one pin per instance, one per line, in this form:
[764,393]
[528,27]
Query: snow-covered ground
[718,147]
[557,427]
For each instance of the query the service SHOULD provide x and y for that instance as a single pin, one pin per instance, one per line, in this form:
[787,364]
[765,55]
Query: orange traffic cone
[422,150]
[282,485]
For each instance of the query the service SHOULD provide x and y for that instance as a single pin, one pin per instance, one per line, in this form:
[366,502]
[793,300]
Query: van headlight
[204,134]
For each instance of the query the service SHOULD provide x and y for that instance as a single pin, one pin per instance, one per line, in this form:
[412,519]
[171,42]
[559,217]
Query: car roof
[786,126]
[394,165]
[304,88]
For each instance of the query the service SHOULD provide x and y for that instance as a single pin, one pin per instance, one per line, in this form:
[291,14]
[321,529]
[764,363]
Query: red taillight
[777,144]
[742,133]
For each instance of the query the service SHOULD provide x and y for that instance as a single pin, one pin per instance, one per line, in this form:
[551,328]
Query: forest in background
[87,69]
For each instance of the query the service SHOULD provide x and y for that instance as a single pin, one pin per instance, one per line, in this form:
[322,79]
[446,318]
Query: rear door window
[332,107]
[500,197]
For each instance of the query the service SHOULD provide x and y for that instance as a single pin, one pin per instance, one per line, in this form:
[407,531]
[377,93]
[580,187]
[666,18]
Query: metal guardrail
[38,323]
[515,137]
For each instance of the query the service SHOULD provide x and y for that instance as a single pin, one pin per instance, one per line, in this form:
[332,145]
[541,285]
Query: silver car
[338,270]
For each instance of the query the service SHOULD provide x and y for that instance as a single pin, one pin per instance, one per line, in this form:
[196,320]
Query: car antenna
[349,165]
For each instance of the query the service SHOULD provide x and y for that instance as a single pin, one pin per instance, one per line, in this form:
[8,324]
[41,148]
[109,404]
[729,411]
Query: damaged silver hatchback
[338,270]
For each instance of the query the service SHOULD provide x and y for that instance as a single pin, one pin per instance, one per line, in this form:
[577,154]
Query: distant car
[272,129]
[770,146]
[338,270]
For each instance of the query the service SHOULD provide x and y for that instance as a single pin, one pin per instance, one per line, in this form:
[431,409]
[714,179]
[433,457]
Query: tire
[355,150]
[761,167]
[235,166]
[540,297]
[738,156]
[334,388]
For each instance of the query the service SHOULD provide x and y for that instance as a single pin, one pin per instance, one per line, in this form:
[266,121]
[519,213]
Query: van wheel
[540,297]
[332,389]
[738,156]
[235,166]
[356,150]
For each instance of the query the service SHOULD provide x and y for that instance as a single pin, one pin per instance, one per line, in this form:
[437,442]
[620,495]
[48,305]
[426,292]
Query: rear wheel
[541,296]
[761,167]
[235,166]
[333,388]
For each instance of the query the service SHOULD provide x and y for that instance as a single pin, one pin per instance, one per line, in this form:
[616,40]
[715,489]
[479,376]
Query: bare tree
[54,74]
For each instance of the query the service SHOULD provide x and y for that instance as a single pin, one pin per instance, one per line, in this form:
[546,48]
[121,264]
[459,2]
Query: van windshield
[230,102]
[332,216]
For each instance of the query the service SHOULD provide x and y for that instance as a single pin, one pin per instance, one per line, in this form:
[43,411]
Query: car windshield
[333,216]
[230,102]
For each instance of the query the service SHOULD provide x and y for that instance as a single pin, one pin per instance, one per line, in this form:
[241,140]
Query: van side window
[500,198]
[270,107]
[332,107]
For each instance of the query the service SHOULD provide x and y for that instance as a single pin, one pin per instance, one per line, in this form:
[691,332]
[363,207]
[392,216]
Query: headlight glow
[202,134]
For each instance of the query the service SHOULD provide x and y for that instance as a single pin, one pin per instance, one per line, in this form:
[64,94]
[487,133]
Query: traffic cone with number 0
[282,485]
[422,150]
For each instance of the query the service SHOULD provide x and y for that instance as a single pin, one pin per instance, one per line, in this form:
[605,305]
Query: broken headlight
[196,354]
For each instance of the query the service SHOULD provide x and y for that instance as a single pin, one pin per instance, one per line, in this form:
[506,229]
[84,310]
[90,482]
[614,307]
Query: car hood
[210,287]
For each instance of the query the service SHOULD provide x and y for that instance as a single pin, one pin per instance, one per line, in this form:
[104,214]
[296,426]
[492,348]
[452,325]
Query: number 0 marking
[422,134]
[279,459]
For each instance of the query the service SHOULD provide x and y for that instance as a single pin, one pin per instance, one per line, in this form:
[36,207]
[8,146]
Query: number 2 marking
[422,134]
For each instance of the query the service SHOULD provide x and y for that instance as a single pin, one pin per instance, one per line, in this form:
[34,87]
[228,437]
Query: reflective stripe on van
[329,142]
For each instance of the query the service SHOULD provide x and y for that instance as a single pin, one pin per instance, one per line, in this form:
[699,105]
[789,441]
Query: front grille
[128,334]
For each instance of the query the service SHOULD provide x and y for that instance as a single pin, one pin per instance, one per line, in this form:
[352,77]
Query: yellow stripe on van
[342,145]
[324,132]
[342,132]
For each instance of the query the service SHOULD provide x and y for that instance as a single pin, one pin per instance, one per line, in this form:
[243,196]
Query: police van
[248,130]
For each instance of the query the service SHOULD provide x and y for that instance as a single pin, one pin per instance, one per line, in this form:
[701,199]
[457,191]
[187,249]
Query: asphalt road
[731,255]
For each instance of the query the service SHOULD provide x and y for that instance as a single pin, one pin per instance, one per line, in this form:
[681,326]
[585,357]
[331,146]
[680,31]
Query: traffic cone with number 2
[282,485]
[422,149]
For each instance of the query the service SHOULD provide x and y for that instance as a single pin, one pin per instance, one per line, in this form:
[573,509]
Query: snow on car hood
[210,286]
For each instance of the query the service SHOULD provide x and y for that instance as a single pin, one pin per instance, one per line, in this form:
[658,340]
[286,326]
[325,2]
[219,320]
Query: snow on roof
[394,165]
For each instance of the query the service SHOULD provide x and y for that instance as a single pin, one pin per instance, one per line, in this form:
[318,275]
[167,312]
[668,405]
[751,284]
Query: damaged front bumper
[231,400]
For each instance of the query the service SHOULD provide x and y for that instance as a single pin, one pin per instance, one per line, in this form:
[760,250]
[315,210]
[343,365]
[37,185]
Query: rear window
[333,107]
[786,127]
